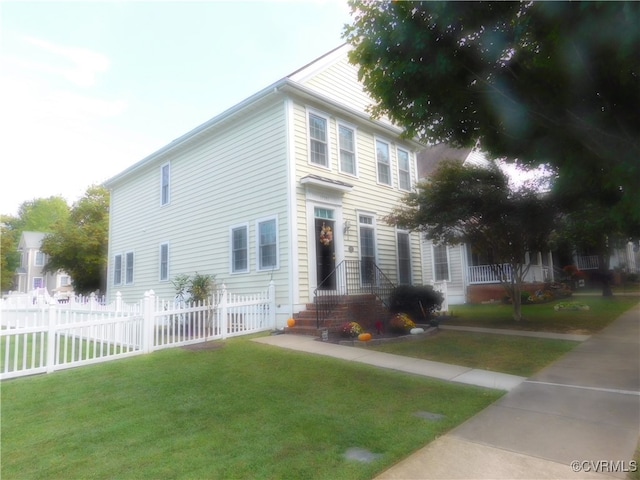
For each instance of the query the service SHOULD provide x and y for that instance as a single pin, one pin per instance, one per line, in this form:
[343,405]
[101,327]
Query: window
[440,263]
[117,270]
[38,282]
[128,278]
[404,170]
[346,138]
[367,248]
[39,260]
[267,244]
[164,261]
[64,281]
[240,249]
[384,163]
[404,258]
[165,180]
[318,140]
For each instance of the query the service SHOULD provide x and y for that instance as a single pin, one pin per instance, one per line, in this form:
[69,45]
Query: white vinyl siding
[164,262]
[383,162]
[404,170]
[128,268]
[117,270]
[267,244]
[318,140]
[347,148]
[240,249]
[165,184]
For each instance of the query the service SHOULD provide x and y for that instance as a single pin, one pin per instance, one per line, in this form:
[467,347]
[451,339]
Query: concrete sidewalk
[583,408]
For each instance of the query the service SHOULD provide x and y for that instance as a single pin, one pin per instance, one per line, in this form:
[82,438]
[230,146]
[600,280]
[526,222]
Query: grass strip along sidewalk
[241,411]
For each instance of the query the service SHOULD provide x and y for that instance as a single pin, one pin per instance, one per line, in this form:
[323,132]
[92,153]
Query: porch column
[551,269]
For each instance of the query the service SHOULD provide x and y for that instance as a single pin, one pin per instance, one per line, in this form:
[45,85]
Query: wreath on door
[326,235]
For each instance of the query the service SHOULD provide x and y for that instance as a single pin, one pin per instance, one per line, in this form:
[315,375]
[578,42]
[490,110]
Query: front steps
[364,309]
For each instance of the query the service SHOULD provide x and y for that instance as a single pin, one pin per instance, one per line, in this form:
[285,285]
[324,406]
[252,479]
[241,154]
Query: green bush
[419,302]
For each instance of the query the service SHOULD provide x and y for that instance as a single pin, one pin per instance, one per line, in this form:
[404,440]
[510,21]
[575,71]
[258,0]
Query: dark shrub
[419,302]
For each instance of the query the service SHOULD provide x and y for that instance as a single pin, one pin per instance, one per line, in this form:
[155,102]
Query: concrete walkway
[583,408]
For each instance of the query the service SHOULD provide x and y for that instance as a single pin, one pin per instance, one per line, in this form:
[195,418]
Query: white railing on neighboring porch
[46,338]
[479,274]
[589,262]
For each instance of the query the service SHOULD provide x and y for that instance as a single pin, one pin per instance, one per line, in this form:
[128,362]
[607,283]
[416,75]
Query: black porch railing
[350,277]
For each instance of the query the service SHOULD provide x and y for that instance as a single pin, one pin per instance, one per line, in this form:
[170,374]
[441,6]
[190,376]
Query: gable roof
[429,158]
[31,240]
[287,85]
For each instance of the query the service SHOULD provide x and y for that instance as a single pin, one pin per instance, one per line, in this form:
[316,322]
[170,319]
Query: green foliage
[419,302]
[42,214]
[9,256]
[198,288]
[540,82]
[78,245]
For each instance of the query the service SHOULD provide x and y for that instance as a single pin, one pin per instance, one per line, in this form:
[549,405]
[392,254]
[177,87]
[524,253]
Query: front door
[325,253]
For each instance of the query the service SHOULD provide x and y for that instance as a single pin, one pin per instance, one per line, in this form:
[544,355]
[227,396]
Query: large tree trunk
[604,276]
[516,300]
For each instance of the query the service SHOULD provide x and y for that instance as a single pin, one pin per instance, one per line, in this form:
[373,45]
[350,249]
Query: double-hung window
[165,180]
[128,274]
[117,270]
[164,261]
[240,249]
[318,140]
[267,231]
[440,263]
[384,162]
[346,138]
[404,170]
[404,258]
[39,260]
[367,248]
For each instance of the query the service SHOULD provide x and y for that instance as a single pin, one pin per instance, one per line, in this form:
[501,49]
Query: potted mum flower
[351,329]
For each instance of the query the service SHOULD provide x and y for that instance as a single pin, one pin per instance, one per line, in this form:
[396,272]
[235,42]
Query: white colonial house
[290,185]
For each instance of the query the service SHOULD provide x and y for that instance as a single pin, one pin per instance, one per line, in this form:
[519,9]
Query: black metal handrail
[350,277]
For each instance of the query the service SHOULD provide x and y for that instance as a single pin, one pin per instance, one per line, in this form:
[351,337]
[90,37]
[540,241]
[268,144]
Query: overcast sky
[87,89]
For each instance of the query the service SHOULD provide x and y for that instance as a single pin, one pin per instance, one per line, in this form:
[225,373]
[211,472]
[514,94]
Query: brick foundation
[495,292]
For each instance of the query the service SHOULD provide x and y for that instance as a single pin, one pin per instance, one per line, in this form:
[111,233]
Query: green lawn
[542,317]
[241,411]
[499,353]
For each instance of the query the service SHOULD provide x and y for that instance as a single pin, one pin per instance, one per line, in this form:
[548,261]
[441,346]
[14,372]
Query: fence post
[272,304]
[118,301]
[147,321]
[51,336]
[224,320]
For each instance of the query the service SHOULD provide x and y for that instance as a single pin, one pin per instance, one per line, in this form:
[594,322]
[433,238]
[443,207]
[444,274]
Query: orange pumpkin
[364,337]
[291,322]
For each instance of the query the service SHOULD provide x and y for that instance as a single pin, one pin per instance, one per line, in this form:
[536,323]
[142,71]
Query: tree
[474,205]
[541,82]
[78,245]
[10,258]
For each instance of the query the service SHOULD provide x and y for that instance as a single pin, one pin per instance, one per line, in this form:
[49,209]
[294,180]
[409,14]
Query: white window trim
[373,226]
[408,234]
[311,111]
[160,279]
[126,268]
[433,263]
[162,202]
[339,124]
[277,265]
[231,229]
[375,153]
[42,255]
[114,268]
[408,152]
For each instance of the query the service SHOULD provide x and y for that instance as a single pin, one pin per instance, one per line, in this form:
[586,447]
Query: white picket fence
[46,338]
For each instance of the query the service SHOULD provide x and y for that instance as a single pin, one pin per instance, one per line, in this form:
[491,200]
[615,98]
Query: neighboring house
[288,185]
[461,266]
[30,276]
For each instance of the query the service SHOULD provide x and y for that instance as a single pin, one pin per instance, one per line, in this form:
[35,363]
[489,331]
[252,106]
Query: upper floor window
[404,170]
[240,249]
[318,140]
[346,137]
[40,259]
[164,261]
[384,162]
[165,183]
[117,270]
[64,281]
[267,244]
[128,276]
[440,263]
